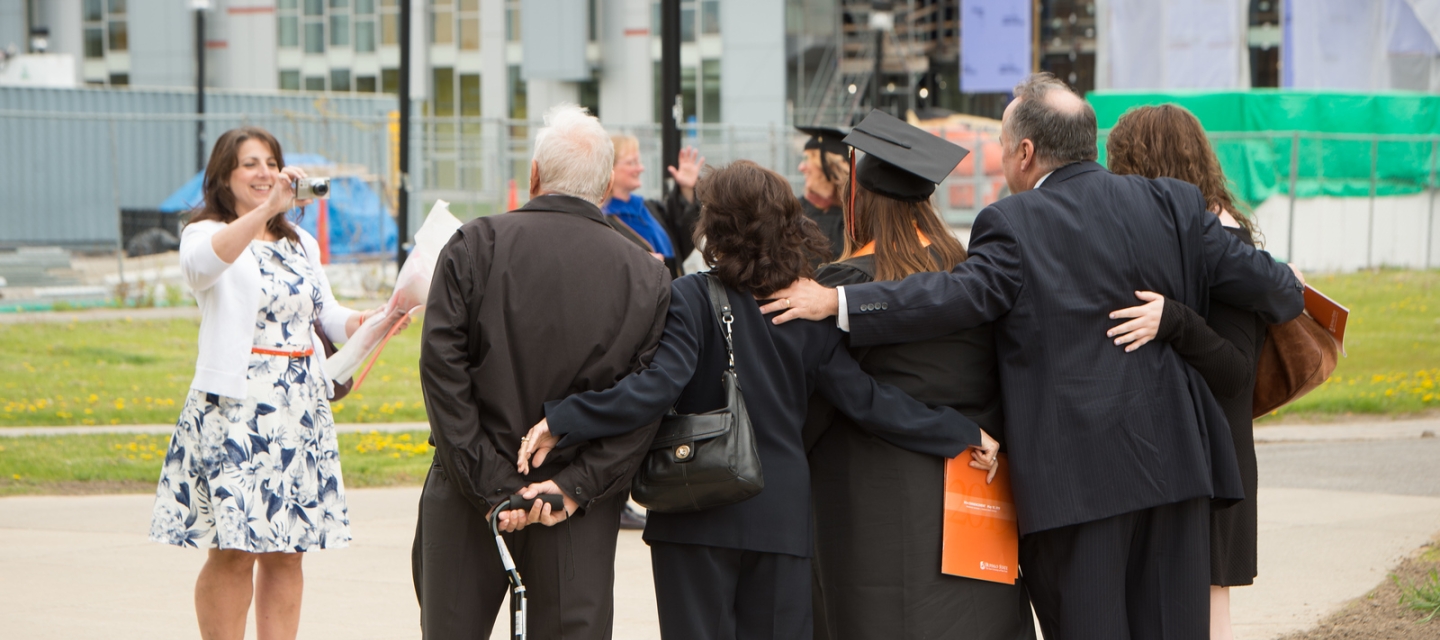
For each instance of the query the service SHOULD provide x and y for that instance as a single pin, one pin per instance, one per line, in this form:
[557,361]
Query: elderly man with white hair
[530,306]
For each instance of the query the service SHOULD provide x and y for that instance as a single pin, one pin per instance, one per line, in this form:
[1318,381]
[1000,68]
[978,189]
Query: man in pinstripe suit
[1115,457]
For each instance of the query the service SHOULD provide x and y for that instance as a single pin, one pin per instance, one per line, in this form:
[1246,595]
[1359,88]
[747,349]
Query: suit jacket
[778,368]
[530,306]
[1092,431]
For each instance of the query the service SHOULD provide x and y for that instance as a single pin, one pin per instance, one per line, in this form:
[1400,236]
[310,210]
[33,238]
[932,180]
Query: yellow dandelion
[15,476]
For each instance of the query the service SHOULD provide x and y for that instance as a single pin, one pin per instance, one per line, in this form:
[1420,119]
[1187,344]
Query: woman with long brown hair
[1167,141]
[878,570]
[742,570]
[252,473]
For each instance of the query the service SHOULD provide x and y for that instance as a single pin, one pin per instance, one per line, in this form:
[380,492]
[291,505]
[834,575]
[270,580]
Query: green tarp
[1342,136]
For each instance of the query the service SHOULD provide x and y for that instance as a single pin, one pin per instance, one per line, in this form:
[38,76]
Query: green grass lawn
[120,372]
[1393,339]
[138,372]
[130,463]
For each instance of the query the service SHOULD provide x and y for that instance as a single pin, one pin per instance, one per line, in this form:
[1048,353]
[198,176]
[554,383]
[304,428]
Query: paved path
[1334,517]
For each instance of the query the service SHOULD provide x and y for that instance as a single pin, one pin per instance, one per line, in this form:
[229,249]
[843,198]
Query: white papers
[412,286]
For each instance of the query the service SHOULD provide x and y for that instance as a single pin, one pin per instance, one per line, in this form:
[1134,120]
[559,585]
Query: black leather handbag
[700,461]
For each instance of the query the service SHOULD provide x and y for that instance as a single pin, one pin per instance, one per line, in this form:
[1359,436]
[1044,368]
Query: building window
[289,31]
[105,28]
[365,84]
[470,95]
[365,36]
[290,80]
[444,91]
[442,21]
[390,81]
[314,7]
[519,109]
[315,83]
[710,17]
[389,22]
[710,90]
[94,43]
[470,25]
[339,30]
[687,21]
[512,20]
[339,79]
[314,37]
[119,35]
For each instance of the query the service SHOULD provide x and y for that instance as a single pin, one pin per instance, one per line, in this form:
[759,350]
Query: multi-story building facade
[489,58]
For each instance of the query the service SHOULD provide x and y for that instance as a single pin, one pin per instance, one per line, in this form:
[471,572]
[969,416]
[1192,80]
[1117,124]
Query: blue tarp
[359,221]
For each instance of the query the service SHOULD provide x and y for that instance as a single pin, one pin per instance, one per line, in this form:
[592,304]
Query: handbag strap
[720,304]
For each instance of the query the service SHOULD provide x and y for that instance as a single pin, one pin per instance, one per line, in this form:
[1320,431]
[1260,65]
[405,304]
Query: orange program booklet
[1329,313]
[981,537]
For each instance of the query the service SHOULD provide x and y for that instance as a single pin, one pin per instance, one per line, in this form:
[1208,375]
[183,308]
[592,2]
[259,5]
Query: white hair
[574,154]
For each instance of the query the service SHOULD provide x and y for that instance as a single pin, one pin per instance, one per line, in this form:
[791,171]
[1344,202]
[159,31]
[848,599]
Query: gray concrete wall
[162,44]
[13,30]
[752,70]
[627,93]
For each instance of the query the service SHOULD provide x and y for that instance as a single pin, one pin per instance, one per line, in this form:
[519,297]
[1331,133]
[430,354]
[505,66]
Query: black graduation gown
[1224,347]
[832,223]
[879,509]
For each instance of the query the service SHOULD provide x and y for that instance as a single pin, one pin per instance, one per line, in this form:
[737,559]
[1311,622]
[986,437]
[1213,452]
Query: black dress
[879,509]
[747,563]
[1223,348]
[832,224]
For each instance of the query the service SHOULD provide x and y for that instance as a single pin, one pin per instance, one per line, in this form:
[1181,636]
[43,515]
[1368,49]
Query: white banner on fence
[995,39]
[1173,44]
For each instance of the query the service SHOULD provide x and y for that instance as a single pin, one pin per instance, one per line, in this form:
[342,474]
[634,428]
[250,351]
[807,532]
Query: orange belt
[288,354]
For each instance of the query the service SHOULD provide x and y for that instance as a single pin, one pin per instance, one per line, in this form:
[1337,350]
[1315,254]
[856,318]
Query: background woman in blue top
[662,228]
[743,570]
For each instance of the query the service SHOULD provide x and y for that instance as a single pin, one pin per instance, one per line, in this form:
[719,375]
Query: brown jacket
[525,307]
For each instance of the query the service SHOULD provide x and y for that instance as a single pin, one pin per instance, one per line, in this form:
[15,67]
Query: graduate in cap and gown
[879,509]
[826,170]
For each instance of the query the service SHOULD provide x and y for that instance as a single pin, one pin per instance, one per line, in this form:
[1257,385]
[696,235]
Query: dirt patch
[1378,615]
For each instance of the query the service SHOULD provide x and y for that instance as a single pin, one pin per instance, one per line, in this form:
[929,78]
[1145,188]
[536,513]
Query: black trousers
[569,569]
[1143,575]
[713,593]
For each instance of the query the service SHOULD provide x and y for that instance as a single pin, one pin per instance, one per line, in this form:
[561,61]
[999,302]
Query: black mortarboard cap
[825,139]
[901,161]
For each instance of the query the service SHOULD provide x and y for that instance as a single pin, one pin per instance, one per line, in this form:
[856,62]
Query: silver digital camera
[311,188]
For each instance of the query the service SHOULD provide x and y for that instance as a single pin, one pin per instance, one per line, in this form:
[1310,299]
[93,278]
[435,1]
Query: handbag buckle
[683,452]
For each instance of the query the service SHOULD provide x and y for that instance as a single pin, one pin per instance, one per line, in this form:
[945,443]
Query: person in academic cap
[878,570]
[826,171]
[742,571]
[664,228]
[1114,457]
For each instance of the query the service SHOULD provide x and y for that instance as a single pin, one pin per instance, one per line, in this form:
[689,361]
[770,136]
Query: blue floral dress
[260,474]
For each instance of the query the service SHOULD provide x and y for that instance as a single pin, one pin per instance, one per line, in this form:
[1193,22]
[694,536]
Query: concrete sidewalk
[1345,431]
[80,567]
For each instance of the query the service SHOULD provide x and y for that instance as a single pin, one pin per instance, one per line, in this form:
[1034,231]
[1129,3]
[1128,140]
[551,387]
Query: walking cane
[517,588]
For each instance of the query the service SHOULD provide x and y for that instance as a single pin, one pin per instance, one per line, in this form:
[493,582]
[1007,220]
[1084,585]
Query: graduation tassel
[850,211]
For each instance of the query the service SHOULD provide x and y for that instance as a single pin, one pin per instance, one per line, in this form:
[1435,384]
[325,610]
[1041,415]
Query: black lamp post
[402,209]
[200,7]
[672,106]
[882,19]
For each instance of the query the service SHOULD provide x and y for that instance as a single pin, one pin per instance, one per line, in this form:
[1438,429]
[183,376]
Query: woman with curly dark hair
[1167,141]
[743,570]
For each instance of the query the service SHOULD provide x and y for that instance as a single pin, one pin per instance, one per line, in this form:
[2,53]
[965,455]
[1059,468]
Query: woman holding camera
[252,473]
[742,570]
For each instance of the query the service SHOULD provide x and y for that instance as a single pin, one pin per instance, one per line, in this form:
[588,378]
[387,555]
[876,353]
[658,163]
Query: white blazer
[229,298]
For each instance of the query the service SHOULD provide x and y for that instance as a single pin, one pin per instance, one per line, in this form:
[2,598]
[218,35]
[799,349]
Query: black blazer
[1092,431]
[530,306]
[778,368]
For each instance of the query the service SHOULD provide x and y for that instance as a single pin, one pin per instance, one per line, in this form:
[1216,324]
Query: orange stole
[869,247]
[981,537]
